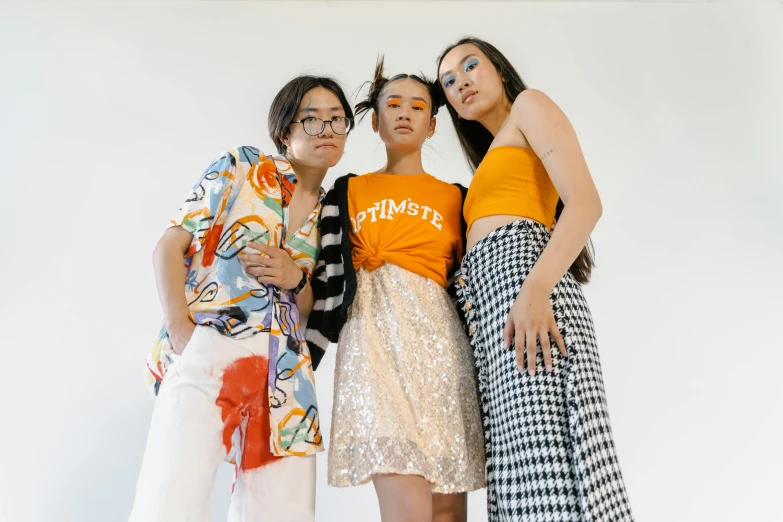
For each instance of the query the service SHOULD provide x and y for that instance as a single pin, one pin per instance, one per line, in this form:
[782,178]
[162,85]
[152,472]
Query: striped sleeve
[328,283]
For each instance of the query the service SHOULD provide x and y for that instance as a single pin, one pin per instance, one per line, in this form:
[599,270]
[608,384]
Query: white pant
[212,400]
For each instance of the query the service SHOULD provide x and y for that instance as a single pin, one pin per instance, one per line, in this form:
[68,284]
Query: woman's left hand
[530,319]
[273,266]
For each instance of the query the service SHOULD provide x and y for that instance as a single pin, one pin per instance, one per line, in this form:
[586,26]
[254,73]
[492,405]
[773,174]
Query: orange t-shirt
[412,221]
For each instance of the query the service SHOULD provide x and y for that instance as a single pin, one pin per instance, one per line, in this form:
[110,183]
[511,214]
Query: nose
[328,132]
[403,115]
[464,85]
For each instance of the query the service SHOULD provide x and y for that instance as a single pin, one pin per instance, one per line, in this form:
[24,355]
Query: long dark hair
[379,83]
[286,104]
[475,139]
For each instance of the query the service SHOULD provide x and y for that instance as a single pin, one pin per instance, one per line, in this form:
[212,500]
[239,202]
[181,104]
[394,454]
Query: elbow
[589,208]
[599,208]
[593,208]
[593,211]
[159,252]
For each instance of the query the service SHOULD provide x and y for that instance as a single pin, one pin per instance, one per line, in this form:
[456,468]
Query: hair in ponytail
[379,83]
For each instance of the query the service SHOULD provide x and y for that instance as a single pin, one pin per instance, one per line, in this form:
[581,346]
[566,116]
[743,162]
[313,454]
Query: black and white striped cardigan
[334,280]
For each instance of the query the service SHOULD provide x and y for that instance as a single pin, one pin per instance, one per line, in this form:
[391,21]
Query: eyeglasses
[315,126]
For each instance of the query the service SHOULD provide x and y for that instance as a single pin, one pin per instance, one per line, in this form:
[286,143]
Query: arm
[167,259]
[304,302]
[554,140]
[187,234]
[329,282]
[317,342]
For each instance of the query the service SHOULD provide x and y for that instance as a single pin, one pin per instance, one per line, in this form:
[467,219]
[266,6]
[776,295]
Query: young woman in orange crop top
[406,410]
[550,453]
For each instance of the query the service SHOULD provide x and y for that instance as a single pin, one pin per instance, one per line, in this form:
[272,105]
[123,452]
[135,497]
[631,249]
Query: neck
[494,120]
[402,162]
[308,179]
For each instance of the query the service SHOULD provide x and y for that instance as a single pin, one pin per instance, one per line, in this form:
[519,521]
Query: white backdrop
[111,110]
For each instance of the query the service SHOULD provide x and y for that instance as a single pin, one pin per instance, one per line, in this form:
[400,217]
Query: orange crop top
[511,180]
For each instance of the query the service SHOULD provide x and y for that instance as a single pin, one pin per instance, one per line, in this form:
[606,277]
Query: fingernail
[549,367]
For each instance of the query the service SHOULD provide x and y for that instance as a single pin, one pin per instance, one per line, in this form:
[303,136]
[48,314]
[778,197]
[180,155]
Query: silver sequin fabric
[405,391]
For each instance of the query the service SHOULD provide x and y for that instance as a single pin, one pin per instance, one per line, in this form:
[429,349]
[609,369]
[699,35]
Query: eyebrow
[316,109]
[398,97]
[465,59]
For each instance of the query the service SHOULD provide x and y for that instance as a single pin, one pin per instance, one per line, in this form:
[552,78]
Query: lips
[468,95]
[403,127]
[326,146]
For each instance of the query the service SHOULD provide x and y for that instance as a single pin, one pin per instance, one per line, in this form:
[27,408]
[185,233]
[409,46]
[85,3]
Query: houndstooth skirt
[549,449]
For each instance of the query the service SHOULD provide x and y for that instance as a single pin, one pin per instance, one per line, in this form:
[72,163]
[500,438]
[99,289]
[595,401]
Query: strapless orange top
[511,180]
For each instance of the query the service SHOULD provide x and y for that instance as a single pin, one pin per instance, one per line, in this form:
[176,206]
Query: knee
[450,507]
[404,498]
[412,509]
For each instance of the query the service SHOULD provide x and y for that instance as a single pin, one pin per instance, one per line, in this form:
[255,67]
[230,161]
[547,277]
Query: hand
[530,319]
[180,334]
[273,266]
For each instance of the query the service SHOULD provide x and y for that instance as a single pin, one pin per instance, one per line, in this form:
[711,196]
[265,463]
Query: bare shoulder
[533,107]
[533,99]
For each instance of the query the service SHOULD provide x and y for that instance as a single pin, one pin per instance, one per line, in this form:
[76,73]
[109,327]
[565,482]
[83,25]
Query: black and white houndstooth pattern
[549,447]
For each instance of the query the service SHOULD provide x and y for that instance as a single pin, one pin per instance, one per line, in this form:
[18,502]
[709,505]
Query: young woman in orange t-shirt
[406,410]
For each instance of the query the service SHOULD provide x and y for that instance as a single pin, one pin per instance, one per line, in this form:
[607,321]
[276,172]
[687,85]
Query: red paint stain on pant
[244,394]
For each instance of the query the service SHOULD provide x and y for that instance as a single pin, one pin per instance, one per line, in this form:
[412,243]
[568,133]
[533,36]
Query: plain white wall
[109,111]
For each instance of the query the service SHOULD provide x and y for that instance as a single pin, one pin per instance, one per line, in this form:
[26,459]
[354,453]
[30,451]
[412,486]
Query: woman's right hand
[180,334]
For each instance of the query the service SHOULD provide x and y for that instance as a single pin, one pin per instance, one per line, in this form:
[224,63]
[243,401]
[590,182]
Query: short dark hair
[286,105]
[379,82]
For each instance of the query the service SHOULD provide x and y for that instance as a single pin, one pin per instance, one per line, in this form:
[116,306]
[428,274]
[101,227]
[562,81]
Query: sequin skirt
[405,390]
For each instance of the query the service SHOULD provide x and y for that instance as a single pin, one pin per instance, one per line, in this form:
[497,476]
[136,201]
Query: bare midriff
[483,226]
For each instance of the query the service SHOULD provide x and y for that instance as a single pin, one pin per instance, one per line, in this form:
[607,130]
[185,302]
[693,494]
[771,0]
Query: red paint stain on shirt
[210,245]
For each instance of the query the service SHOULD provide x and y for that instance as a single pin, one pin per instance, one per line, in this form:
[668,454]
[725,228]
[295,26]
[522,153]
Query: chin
[329,158]
[472,113]
[407,144]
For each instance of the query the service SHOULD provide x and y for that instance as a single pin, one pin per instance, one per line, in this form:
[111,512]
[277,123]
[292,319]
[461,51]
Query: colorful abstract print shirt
[243,196]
